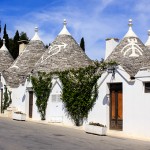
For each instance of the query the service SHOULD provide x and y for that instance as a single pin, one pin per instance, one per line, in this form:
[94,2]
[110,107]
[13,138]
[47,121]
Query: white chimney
[22,45]
[148,40]
[111,43]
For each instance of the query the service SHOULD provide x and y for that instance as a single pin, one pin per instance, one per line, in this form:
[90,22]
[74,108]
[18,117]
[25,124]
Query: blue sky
[95,20]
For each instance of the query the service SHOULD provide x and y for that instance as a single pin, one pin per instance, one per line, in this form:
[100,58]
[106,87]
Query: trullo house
[64,53]
[15,76]
[6,61]
[124,90]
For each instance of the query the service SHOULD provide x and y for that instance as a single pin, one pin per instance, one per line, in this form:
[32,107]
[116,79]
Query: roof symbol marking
[133,46]
[53,50]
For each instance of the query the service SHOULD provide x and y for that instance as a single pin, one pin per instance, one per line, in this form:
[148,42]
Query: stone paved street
[16,135]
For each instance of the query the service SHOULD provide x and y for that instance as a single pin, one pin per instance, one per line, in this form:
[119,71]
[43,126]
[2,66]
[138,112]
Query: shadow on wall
[106,100]
[23,98]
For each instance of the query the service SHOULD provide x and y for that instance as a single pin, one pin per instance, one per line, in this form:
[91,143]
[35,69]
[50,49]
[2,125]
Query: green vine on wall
[42,88]
[79,91]
[6,99]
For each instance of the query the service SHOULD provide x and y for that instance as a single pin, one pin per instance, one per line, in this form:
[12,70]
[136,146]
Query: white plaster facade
[55,112]
[2,83]
[136,119]
[18,97]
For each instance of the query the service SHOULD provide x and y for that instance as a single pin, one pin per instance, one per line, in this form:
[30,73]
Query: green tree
[82,44]
[1,43]
[11,45]
[0,30]
[7,99]
[16,45]
[23,36]
[79,92]
[42,88]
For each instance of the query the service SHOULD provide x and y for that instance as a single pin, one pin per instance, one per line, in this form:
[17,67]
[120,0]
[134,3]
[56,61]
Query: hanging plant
[6,99]
[42,88]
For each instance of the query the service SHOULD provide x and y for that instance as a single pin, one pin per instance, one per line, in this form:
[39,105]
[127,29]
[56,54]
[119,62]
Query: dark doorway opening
[30,103]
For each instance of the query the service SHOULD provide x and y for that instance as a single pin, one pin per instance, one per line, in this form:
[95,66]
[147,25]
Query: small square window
[56,98]
[147,87]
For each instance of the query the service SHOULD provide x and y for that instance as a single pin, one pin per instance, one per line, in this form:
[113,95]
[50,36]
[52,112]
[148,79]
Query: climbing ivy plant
[6,99]
[42,88]
[80,90]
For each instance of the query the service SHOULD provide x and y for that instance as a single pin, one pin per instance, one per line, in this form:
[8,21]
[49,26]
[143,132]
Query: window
[147,87]
[56,98]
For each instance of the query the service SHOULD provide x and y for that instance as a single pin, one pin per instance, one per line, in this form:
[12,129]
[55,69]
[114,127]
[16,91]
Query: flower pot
[95,129]
[17,116]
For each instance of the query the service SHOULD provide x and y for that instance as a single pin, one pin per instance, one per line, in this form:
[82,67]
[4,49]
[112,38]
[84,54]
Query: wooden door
[30,103]
[116,106]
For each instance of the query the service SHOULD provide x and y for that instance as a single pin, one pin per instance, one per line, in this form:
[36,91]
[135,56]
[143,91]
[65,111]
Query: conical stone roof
[131,53]
[16,74]
[5,58]
[64,53]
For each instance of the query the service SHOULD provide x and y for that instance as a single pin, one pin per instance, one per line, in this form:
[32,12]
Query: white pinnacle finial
[64,30]
[148,32]
[36,36]
[130,32]
[4,42]
[148,40]
[4,48]
[65,22]
[36,29]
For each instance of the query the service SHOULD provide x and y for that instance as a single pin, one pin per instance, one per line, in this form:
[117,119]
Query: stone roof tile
[64,53]
[16,74]
[131,54]
[5,58]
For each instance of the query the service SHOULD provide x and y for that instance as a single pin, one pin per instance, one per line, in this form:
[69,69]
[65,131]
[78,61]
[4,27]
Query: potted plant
[95,128]
[19,116]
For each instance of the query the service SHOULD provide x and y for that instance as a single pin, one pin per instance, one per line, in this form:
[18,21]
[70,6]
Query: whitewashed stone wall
[19,97]
[1,87]
[55,111]
[136,105]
